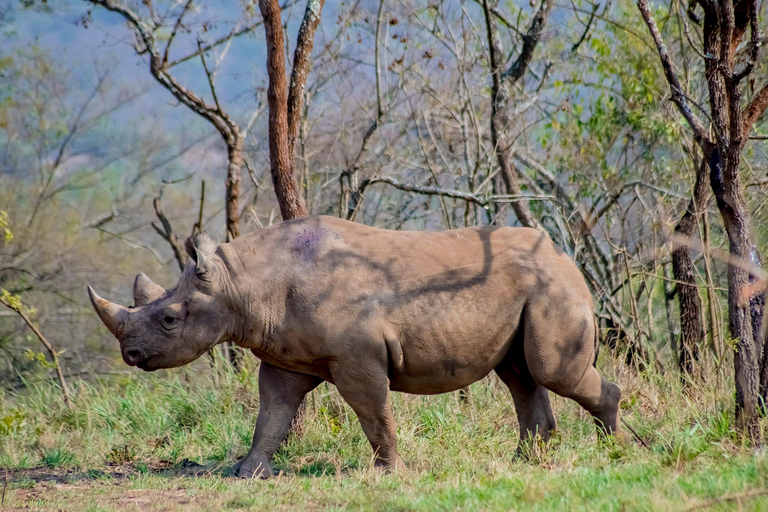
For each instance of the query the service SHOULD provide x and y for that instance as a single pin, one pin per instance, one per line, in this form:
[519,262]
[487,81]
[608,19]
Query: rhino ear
[200,248]
[202,243]
[145,290]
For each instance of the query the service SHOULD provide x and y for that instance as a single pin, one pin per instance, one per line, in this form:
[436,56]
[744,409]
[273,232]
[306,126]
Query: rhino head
[170,328]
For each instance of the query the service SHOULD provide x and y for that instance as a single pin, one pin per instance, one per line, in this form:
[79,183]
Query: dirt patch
[73,497]
[110,471]
[147,500]
[46,488]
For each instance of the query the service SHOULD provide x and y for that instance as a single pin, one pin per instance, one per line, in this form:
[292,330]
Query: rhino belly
[439,364]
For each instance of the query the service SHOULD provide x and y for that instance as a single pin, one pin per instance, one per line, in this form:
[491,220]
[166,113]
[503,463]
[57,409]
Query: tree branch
[291,202]
[176,29]
[159,71]
[304,43]
[54,355]
[755,109]
[699,132]
[501,85]
[754,43]
[477,199]
[586,29]
[530,40]
[167,234]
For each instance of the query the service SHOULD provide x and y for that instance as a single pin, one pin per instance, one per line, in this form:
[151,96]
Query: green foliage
[57,457]
[11,422]
[39,358]
[5,227]
[14,302]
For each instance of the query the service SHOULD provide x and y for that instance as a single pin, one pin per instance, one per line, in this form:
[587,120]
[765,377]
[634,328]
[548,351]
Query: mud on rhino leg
[365,387]
[280,394]
[534,412]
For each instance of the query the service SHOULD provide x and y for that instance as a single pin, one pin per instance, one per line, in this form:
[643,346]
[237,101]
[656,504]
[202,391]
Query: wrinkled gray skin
[370,310]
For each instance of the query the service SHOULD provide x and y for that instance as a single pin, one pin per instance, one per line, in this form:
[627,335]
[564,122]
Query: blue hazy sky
[107,43]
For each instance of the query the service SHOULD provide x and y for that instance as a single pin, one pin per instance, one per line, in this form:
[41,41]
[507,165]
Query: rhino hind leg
[600,397]
[280,394]
[365,387]
[559,353]
[531,399]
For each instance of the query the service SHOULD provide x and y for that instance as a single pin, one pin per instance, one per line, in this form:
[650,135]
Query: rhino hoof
[258,468]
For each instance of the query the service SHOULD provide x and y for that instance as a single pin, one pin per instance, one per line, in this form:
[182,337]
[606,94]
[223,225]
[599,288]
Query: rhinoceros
[372,311]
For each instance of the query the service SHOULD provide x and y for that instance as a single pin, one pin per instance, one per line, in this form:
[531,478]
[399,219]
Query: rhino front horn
[112,315]
[145,290]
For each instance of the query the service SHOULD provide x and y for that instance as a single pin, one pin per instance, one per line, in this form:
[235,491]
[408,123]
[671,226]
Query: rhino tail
[597,339]
[395,354]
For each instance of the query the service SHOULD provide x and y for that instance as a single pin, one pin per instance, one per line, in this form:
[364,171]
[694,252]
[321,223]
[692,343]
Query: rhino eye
[169,319]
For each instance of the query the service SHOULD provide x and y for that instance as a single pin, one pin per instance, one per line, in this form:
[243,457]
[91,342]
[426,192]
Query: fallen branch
[637,436]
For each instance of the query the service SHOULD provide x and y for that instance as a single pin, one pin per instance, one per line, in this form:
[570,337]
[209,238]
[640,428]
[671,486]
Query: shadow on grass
[186,468]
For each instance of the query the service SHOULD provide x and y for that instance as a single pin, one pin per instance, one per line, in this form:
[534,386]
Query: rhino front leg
[280,394]
[365,387]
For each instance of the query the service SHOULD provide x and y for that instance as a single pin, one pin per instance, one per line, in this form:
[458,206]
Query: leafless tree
[160,67]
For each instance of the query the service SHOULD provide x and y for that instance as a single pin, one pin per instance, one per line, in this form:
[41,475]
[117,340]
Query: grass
[160,442]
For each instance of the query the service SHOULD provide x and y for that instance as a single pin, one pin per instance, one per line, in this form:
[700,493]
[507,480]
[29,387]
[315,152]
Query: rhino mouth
[145,365]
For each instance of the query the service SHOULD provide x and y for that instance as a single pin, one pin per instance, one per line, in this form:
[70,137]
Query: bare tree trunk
[281,158]
[714,326]
[234,168]
[669,294]
[745,306]
[745,309]
[691,322]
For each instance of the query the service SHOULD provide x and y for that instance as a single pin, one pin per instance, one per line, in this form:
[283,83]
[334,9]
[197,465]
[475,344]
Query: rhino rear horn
[145,290]
[112,315]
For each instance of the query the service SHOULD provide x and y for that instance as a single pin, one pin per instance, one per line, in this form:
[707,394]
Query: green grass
[164,442]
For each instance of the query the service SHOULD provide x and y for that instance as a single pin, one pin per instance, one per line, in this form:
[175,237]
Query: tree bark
[745,309]
[234,168]
[691,321]
[280,152]
[305,41]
